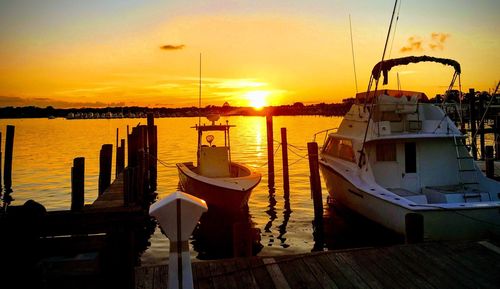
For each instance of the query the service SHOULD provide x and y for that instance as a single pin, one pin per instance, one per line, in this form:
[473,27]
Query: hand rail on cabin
[325,131]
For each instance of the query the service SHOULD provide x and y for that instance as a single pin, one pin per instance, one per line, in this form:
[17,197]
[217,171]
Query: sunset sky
[95,53]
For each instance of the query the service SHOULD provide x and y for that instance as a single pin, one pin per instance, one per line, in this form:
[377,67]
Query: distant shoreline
[333,109]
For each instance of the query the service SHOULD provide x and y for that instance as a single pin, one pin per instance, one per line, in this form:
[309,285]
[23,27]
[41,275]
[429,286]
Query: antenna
[199,97]
[353,62]
[399,83]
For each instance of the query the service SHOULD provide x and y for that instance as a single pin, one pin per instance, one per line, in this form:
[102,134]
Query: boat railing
[325,131]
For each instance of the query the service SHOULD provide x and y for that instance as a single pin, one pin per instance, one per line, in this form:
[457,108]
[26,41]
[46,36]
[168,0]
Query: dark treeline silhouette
[298,108]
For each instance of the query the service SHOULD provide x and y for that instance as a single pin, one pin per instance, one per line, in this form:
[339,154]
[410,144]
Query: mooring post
[270,151]
[472,117]
[120,157]
[177,214]
[481,126]
[497,136]
[414,228]
[105,158]
[153,151]
[7,172]
[78,184]
[490,164]
[312,151]
[284,154]
[1,189]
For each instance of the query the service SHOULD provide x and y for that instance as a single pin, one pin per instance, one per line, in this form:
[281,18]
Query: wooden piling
[78,184]
[120,157]
[414,228]
[472,117]
[7,173]
[497,136]
[1,189]
[489,160]
[314,179]
[153,151]
[105,158]
[284,154]
[270,151]
[481,126]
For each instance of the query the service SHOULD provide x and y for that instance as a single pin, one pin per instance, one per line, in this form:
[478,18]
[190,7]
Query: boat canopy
[386,65]
[393,93]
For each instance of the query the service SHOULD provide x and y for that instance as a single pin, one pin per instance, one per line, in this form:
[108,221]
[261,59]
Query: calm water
[44,150]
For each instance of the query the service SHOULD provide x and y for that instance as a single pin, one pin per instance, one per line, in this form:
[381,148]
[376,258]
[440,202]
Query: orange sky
[69,54]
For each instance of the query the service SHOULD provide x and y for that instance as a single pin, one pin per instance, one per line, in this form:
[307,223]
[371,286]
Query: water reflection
[225,234]
[287,211]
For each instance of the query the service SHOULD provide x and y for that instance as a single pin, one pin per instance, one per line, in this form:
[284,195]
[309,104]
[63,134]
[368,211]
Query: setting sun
[257,98]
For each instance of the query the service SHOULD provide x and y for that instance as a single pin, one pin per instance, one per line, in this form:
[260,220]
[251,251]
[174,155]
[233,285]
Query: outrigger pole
[362,151]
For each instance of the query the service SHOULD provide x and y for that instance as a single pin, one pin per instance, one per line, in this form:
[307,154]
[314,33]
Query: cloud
[172,47]
[438,40]
[44,102]
[414,44]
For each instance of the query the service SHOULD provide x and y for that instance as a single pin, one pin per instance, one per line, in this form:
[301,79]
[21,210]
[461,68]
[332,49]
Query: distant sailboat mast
[353,58]
[199,97]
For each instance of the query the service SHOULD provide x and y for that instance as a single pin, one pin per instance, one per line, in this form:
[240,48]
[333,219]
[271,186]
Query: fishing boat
[394,154]
[218,180]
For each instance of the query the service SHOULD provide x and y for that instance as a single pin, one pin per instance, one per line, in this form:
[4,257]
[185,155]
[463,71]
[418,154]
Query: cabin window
[340,148]
[410,157]
[386,152]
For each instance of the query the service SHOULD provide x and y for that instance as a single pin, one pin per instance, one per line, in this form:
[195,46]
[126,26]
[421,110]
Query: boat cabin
[213,159]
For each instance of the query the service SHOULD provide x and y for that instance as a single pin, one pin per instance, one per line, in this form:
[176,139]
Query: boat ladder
[467,172]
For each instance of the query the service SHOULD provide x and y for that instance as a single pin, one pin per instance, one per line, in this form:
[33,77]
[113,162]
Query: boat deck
[464,264]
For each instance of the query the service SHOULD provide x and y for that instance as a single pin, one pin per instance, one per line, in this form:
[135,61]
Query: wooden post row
[152,151]
[312,150]
[105,159]
[284,154]
[7,173]
[489,162]
[270,151]
[78,184]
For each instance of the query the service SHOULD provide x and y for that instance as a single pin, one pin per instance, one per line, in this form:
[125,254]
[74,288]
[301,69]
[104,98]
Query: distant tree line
[298,108]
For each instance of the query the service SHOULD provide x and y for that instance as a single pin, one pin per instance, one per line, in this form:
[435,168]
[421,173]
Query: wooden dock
[462,264]
[91,245]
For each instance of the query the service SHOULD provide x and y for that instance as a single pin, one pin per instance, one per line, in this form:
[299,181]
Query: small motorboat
[395,153]
[222,183]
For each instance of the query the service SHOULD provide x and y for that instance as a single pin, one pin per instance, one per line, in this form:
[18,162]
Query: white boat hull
[439,223]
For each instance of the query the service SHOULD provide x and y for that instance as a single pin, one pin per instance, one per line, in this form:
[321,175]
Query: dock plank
[369,264]
[461,274]
[276,274]
[463,264]
[333,272]
[112,196]
[203,279]
[244,274]
[259,271]
[348,272]
[319,273]
[430,267]
[368,278]
[405,277]
[297,273]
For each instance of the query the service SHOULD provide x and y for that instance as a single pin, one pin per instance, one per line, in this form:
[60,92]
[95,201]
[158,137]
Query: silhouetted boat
[216,179]
[394,154]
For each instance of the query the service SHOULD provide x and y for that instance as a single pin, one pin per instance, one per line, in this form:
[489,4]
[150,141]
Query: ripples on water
[44,151]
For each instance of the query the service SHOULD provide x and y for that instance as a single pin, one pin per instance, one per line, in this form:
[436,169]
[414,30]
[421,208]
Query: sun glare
[257,98]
